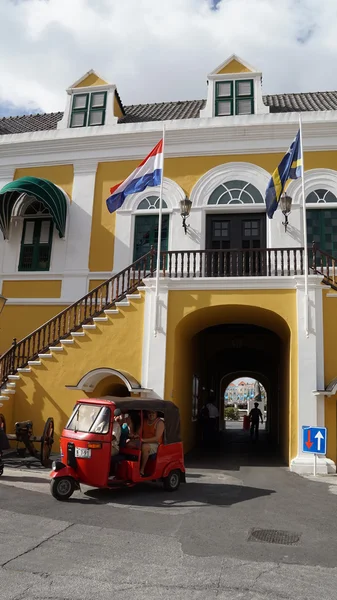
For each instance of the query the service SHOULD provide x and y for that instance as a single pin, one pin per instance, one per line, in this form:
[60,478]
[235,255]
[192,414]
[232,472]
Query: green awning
[47,192]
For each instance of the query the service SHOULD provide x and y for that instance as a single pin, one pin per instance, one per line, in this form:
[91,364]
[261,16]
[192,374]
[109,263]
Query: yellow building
[232,297]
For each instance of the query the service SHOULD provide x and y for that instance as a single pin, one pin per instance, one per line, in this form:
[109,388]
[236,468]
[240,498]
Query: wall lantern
[285,204]
[185,209]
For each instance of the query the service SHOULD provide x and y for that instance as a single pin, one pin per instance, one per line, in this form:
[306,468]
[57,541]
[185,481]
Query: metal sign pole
[315,465]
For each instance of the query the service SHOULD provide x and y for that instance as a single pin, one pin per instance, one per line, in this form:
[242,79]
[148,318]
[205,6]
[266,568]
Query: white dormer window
[234,88]
[88,109]
[91,102]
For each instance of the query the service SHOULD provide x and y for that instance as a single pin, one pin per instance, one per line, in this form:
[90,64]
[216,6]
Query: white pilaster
[154,347]
[310,377]
[78,233]
[6,176]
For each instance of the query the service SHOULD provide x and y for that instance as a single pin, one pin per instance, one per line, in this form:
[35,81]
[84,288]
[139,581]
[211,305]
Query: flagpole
[305,239]
[160,219]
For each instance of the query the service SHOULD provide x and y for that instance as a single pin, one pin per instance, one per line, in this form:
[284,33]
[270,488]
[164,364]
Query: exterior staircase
[75,322]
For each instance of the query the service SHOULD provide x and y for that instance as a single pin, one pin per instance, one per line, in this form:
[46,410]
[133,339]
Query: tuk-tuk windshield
[89,418]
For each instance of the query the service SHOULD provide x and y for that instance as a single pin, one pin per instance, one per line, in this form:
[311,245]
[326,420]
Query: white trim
[314,179]
[37,302]
[226,172]
[88,382]
[235,283]
[253,134]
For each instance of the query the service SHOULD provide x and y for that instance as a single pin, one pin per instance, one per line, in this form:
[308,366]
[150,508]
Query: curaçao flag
[289,168]
[147,174]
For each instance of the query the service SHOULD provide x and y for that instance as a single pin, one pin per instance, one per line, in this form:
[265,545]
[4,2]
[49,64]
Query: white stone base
[304,465]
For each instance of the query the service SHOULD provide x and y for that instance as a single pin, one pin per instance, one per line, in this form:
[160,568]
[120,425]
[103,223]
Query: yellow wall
[91,80]
[93,283]
[330,370]
[190,312]
[18,321]
[61,175]
[234,67]
[116,344]
[32,289]
[185,171]
[117,108]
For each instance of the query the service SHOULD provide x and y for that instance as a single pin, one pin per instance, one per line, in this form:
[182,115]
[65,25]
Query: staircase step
[134,296]
[123,303]
[49,355]
[11,385]
[4,398]
[66,342]
[89,326]
[34,363]
[56,348]
[100,319]
[24,370]
[13,377]
[7,391]
[78,333]
[111,311]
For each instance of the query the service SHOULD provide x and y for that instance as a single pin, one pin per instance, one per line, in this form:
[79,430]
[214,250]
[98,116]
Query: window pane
[97,100]
[224,89]
[244,107]
[78,119]
[96,117]
[244,88]
[80,101]
[43,258]
[224,108]
[29,232]
[44,233]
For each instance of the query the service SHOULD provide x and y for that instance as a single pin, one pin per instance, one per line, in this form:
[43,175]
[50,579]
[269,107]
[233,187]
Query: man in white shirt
[116,433]
[211,423]
[213,412]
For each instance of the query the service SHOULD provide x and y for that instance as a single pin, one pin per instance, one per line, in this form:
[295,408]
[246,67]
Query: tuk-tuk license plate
[82,452]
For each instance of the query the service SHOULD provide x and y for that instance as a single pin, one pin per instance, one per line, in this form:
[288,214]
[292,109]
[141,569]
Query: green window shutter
[224,98]
[322,229]
[244,97]
[146,234]
[97,109]
[36,244]
[79,111]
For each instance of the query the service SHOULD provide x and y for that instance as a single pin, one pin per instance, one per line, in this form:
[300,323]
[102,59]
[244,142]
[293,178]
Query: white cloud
[156,50]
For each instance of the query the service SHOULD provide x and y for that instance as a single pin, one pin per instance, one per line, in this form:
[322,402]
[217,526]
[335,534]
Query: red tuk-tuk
[85,447]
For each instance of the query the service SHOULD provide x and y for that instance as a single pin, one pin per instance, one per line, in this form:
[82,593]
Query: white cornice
[234,283]
[253,134]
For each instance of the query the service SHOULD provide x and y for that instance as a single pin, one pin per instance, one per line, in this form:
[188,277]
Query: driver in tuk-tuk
[152,436]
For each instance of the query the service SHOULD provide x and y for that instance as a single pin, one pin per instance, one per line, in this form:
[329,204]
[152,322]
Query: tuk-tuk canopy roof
[170,411]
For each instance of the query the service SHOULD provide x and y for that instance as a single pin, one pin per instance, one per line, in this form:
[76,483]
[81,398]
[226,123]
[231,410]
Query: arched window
[151,203]
[322,220]
[37,235]
[236,192]
[321,197]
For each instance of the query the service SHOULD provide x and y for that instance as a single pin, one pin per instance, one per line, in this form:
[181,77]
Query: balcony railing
[261,262]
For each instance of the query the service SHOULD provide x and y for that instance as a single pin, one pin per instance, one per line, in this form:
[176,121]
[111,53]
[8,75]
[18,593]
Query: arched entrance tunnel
[213,346]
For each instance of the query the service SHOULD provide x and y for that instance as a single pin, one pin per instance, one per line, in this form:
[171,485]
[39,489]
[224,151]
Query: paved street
[147,543]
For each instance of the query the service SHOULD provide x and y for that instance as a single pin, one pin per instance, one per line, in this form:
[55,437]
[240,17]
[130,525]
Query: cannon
[24,434]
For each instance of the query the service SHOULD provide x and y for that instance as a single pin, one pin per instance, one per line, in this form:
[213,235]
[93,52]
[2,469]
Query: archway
[213,343]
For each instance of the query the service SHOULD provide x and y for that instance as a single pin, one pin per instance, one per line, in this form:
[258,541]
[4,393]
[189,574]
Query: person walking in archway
[254,416]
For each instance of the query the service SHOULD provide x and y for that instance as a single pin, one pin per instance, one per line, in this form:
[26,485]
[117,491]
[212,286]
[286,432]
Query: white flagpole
[159,241]
[305,239]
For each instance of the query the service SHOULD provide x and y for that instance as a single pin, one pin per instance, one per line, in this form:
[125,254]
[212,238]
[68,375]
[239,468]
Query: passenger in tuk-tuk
[116,433]
[152,436]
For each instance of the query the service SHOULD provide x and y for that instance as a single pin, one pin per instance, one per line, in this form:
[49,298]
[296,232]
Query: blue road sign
[314,440]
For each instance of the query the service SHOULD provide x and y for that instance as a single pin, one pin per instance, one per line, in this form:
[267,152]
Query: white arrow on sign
[319,438]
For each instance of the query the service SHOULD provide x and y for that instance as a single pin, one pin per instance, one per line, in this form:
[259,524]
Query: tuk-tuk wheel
[62,488]
[172,481]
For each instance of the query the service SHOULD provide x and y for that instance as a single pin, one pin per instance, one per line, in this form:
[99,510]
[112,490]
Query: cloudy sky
[157,50]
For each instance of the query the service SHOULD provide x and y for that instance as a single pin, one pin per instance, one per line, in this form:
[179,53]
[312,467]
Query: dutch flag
[147,174]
